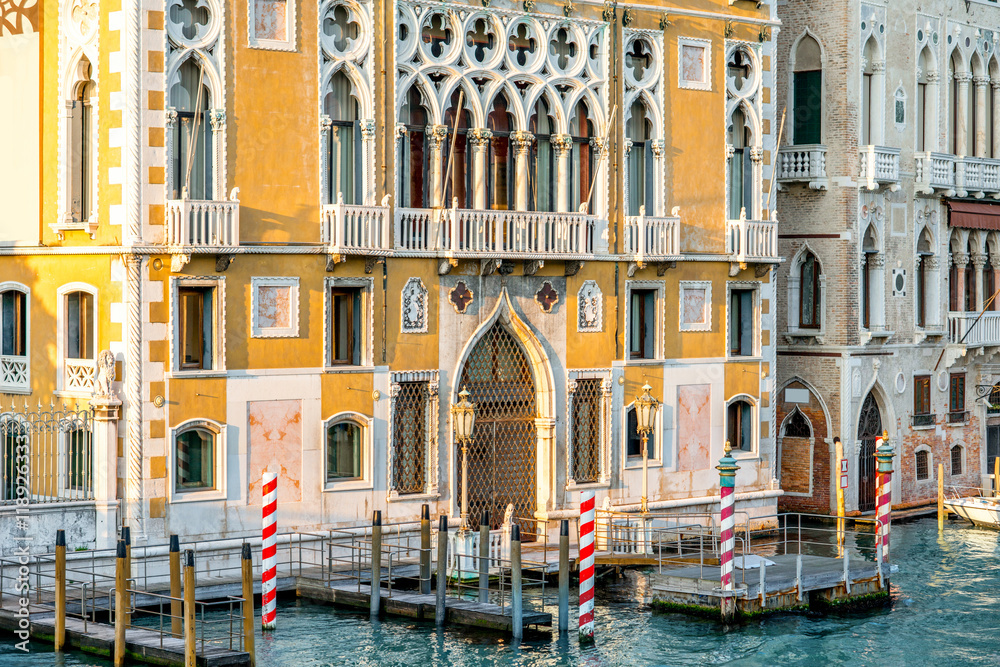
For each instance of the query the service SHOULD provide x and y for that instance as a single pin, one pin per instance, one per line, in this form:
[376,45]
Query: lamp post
[645,412]
[463,416]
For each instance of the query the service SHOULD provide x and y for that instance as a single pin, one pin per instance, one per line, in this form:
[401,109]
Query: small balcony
[924,420]
[977,176]
[355,230]
[752,240]
[959,417]
[935,171]
[879,167]
[203,223]
[652,238]
[78,375]
[489,234]
[14,374]
[803,164]
[965,330]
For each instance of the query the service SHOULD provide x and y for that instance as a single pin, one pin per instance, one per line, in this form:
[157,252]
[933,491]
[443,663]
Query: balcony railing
[195,222]
[923,420]
[752,240]
[13,373]
[985,332]
[977,176]
[78,375]
[487,233]
[879,166]
[803,164]
[355,230]
[935,171]
[959,417]
[652,237]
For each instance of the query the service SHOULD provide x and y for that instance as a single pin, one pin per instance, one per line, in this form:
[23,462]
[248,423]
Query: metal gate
[46,454]
[502,453]
[869,429]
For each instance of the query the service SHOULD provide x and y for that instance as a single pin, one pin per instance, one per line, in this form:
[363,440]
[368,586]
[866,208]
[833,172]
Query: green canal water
[944,612]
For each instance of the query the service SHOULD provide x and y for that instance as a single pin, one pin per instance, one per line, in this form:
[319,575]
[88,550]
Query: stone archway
[869,430]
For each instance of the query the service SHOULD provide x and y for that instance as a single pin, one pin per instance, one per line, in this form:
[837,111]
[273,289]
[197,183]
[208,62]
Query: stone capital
[963,78]
[979,260]
[980,81]
[325,123]
[878,66]
[960,259]
[367,129]
[480,138]
[400,130]
[931,262]
[218,118]
[521,141]
[436,135]
[562,144]
[876,259]
[171,120]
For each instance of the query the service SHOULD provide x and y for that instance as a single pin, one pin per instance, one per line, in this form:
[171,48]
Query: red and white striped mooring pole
[727,492]
[587,522]
[883,454]
[269,553]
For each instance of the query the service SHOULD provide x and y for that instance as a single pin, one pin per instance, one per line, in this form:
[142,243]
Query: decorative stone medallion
[590,307]
[546,297]
[413,307]
[460,297]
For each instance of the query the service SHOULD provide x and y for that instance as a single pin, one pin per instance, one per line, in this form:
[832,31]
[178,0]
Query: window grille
[409,438]
[956,460]
[797,426]
[923,466]
[587,430]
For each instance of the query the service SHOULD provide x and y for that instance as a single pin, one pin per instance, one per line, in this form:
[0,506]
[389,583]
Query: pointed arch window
[543,186]
[459,157]
[809,294]
[638,130]
[82,148]
[924,133]
[344,168]
[413,151]
[797,426]
[807,92]
[868,94]
[581,157]
[970,283]
[499,181]
[924,251]
[191,162]
[869,249]
[740,166]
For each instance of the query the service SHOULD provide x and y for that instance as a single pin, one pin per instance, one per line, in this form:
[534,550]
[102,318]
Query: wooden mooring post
[60,638]
[120,603]
[940,497]
[442,571]
[189,631]
[516,611]
[996,477]
[425,549]
[246,563]
[127,537]
[376,596]
[175,586]
[564,576]
[484,557]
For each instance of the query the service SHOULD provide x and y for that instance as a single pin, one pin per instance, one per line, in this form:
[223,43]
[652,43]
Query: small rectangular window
[344,450]
[587,430]
[346,322]
[922,395]
[956,395]
[923,466]
[956,460]
[13,323]
[642,328]
[409,437]
[739,425]
[79,325]
[272,24]
[195,459]
[741,323]
[196,336]
[808,106]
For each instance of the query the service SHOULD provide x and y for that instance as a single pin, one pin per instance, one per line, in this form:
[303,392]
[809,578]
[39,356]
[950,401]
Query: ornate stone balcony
[195,222]
[803,164]
[356,230]
[652,238]
[14,375]
[935,171]
[977,176]
[879,167]
[78,375]
[488,234]
[985,333]
[752,240]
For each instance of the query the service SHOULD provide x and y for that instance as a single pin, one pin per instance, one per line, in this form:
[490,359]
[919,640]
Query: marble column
[978,263]
[981,83]
[479,139]
[962,113]
[960,260]
[436,135]
[562,146]
[520,142]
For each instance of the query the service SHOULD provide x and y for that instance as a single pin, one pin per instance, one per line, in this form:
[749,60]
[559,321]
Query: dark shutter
[808,107]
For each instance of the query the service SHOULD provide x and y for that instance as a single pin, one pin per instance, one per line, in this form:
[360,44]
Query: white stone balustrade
[78,375]
[752,240]
[194,222]
[879,166]
[348,229]
[935,171]
[803,164]
[984,332]
[13,373]
[652,237]
[977,176]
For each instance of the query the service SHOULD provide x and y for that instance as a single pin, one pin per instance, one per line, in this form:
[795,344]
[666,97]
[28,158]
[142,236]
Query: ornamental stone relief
[413,307]
[590,306]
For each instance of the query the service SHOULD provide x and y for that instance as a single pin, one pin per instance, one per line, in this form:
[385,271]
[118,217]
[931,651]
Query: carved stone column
[962,113]
[133,396]
[562,146]
[218,117]
[520,142]
[960,260]
[877,101]
[877,314]
[433,412]
[981,82]
[931,132]
[932,300]
[400,135]
[659,207]
[435,163]
[606,402]
[995,92]
[368,161]
[479,138]
[545,484]
[757,164]
[173,189]
[598,200]
[978,263]
[105,444]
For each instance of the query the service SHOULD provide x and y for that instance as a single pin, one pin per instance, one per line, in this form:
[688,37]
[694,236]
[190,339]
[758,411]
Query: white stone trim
[604,445]
[292,330]
[694,284]
[61,293]
[432,426]
[698,43]
[757,348]
[592,320]
[24,388]
[754,419]
[219,452]
[218,331]
[367,286]
[413,294]
[366,481]
[287,44]
[659,319]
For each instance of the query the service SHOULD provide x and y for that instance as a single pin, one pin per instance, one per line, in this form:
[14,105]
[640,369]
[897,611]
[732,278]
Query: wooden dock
[419,606]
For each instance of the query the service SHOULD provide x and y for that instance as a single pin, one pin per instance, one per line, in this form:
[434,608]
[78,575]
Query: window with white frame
[271,24]
[643,317]
[741,424]
[347,451]
[82,147]
[198,323]
[922,465]
[956,460]
[806,285]
[343,142]
[639,148]
[743,321]
[14,366]
[588,407]
[695,305]
[694,63]
[411,422]
[196,448]
[77,341]
[633,439]
[348,322]
[275,307]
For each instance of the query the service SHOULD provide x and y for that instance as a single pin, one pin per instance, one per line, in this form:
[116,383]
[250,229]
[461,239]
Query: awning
[971,215]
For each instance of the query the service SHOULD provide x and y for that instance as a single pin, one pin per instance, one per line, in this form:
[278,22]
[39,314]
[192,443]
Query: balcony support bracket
[222,262]
[735,268]
[487,267]
[333,259]
[531,266]
[178,261]
[572,267]
[761,270]
[635,266]
[370,263]
[445,266]
[661,267]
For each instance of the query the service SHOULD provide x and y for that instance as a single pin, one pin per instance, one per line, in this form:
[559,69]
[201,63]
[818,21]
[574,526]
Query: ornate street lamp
[463,419]
[645,413]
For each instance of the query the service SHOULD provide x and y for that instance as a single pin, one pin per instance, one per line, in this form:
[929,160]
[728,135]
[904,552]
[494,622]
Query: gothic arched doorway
[869,430]
[502,453]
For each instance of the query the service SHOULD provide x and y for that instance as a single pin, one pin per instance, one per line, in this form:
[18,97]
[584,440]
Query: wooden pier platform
[419,606]
[140,645]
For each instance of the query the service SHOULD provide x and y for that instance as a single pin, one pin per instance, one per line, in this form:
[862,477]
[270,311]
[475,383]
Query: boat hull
[980,511]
